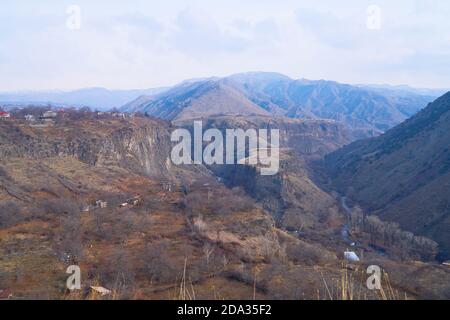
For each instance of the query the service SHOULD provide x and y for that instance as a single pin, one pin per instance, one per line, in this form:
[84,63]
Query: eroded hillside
[99,192]
[404,174]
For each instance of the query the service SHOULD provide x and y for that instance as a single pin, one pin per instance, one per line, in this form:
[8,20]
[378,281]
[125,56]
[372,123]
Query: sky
[137,44]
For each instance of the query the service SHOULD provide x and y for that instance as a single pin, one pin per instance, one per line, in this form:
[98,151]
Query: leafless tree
[208,250]
[70,237]
[157,265]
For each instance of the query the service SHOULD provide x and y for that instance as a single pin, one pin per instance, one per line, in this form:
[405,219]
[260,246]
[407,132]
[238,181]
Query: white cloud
[142,44]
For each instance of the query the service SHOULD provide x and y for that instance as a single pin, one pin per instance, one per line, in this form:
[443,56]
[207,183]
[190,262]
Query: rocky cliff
[141,145]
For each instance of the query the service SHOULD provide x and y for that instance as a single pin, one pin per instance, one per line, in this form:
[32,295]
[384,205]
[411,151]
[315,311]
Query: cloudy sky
[143,44]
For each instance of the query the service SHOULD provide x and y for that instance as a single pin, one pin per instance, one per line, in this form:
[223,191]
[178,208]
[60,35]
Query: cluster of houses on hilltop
[48,117]
[101,204]
[119,115]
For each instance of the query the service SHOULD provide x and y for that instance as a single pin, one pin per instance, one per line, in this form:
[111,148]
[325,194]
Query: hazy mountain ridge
[95,98]
[405,89]
[363,107]
[279,95]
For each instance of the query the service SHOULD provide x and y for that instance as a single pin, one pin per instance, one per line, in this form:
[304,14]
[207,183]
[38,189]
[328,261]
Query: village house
[5,294]
[49,116]
[132,202]
[168,186]
[30,118]
[120,115]
[99,204]
[4,115]
[351,256]
[135,201]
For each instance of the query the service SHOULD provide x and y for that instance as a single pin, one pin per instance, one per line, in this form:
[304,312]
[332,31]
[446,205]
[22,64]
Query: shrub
[157,265]
[308,254]
[10,214]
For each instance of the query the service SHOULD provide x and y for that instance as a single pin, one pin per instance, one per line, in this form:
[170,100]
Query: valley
[214,159]
[402,175]
[196,232]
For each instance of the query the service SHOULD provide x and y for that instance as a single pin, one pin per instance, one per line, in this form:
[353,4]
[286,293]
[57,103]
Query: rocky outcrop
[142,146]
[291,196]
[308,138]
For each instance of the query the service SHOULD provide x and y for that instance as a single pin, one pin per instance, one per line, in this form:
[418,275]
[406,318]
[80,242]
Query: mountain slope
[186,222]
[331,100]
[200,99]
[403,175]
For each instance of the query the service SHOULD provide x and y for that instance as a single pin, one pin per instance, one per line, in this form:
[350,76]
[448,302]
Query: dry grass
[352,286]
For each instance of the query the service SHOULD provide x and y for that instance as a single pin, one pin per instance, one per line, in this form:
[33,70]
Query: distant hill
[403,175]
[96,98]
[275,94]
[197,99]
[385,88]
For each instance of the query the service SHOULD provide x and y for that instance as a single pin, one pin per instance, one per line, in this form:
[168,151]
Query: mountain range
[374,108]
[273,94]
[95,98]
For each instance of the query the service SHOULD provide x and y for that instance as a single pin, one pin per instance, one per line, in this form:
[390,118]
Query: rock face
[144,149]
[309,138]
[291,196]
[141,145]
[403,175]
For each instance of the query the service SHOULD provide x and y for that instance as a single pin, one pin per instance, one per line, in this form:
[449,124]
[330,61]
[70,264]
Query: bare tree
[70,237]
[157,265]
[389,235]
[208,250]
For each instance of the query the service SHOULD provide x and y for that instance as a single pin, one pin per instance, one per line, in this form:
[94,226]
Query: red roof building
[4,114]
[5,294]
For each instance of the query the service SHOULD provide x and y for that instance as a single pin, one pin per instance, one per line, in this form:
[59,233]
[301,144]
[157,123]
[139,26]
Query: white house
[30,118]
[351,256]
[49,114]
